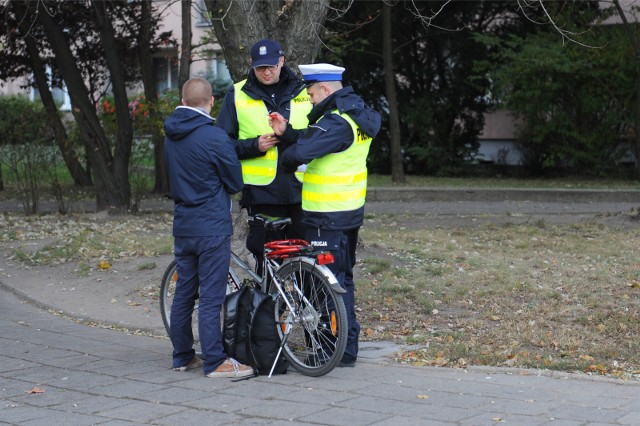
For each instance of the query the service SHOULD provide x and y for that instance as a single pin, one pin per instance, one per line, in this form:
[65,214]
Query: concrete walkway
[54,371]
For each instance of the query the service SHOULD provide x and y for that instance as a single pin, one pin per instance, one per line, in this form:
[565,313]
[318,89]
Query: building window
[202,15]
[219,69]
[60,94]
[218,75]
[166,73]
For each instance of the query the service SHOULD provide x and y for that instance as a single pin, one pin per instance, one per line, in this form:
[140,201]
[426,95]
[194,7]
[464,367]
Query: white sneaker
[231,368]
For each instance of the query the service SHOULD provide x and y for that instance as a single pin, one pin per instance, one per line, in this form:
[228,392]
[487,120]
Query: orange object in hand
[274,115]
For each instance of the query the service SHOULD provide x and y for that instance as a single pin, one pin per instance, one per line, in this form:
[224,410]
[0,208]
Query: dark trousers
[342,244]
[202,264]
[258,236]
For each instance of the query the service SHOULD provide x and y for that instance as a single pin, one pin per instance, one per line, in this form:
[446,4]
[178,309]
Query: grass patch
[85,241]
[562,297]
[146,266]
[375,265]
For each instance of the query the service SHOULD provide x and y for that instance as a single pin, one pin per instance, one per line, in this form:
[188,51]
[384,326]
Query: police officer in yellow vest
[269,87]
[335,148]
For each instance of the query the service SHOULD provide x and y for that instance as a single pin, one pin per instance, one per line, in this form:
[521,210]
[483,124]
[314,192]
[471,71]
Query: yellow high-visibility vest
[338,181]
[253,121]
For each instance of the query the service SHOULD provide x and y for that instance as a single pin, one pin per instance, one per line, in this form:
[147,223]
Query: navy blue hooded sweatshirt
[203,171]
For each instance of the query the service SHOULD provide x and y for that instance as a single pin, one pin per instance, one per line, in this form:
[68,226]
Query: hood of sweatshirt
[184,121]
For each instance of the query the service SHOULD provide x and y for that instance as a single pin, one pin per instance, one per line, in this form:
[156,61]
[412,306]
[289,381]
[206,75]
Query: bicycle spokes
[316,315]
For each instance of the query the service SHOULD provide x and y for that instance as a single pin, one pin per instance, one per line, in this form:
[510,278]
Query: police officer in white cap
[270,86]
[334,147]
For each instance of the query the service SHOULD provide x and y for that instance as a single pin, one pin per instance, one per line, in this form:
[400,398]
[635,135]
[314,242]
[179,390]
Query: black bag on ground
[249,330]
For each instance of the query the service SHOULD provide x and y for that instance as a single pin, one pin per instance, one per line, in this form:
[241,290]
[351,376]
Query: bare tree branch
[427,21]
[565,34]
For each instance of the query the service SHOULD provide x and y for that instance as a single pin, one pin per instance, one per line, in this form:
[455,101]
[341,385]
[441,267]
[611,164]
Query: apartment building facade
[207,61]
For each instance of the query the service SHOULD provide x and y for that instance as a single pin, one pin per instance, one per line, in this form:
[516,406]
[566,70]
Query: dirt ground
[124,295]
[130,286]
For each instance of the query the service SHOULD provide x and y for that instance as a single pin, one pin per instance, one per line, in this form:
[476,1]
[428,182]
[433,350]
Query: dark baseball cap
[265,53]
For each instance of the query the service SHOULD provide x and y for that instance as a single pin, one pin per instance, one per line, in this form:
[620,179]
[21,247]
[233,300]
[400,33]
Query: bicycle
[311,317]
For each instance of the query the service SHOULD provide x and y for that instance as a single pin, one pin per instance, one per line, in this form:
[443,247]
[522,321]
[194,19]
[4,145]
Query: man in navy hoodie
[203,171]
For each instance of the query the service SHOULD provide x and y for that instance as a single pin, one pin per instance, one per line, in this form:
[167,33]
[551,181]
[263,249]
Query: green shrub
[26,148]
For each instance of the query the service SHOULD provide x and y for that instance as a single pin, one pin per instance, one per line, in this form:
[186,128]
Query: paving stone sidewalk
[54,371]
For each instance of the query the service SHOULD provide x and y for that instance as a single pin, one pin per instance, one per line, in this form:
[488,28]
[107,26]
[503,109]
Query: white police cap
[313,73]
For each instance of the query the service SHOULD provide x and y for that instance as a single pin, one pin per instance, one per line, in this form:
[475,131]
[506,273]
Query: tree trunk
[124,133]
[296,24]
[185,49]
[397,171]
[109,191]
[80,176]
[635,42]
[161,185]
[637,121]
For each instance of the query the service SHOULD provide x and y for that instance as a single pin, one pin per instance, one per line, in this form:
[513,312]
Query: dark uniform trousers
[342,244]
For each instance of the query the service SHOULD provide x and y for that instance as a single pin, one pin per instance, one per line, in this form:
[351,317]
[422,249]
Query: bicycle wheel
[313,322]
[168,288]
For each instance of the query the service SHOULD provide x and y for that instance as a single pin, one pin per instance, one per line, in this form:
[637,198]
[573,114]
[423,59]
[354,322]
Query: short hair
[197,92]
[335,85]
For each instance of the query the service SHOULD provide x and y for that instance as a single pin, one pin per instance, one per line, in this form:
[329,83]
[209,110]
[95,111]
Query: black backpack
[249,331]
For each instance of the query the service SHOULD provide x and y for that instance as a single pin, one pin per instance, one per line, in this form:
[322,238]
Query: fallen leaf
[598,368]
[36,390]
[104,265]
[511,362]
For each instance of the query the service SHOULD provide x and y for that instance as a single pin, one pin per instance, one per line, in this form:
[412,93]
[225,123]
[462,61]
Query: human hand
[278,123]
[267,141]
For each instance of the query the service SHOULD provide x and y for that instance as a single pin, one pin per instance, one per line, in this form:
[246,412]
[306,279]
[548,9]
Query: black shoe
[193,363]
[346,364]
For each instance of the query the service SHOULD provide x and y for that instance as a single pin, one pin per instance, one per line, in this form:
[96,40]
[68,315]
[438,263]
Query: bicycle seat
[271,222]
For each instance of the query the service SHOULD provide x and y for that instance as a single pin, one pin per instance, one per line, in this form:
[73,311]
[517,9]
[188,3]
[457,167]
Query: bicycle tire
[316,341]
[167,290]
